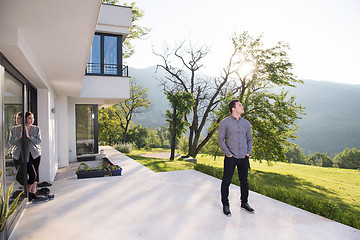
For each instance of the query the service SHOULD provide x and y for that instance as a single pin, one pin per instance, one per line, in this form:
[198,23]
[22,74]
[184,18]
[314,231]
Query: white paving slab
[143,204]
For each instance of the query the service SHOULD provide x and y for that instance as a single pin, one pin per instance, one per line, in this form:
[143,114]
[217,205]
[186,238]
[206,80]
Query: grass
[341,186]
[159,164]
[331,192]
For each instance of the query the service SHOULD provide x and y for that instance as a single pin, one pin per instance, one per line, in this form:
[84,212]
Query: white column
[43,123]
[48,164]
[62,130]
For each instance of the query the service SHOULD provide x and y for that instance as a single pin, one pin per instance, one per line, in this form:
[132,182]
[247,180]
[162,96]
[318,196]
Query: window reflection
[85,138]
[94,62]
[13,104]
[105,55]
[110,55]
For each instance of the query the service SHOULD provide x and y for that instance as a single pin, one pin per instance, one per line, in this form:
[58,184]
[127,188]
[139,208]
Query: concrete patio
[143,204]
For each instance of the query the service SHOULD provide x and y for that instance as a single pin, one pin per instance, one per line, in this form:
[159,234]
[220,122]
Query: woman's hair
[20,114]
[28,114]
[16,115]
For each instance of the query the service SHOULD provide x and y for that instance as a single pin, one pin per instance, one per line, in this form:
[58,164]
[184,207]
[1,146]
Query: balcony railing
[107,70]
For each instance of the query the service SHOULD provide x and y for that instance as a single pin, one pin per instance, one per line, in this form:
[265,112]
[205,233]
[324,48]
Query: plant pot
[90,174]
[116,172]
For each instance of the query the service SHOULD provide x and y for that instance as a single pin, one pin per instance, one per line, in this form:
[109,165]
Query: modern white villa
[61,60]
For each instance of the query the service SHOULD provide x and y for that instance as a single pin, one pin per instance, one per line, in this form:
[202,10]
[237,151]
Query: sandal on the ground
[43,191]
[44,184]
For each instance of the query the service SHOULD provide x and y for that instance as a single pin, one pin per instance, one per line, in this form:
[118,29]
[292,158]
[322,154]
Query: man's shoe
[226,210]
[247,207]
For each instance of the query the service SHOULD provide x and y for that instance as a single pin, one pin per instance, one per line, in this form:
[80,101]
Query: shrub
[124,147]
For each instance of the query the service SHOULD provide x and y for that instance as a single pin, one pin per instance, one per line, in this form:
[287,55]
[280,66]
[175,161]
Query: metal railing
[107,70]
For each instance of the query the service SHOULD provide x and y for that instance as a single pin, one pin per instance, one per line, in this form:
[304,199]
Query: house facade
[61,60]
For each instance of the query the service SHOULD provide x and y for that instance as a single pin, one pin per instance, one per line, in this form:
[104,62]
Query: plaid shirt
[234,137]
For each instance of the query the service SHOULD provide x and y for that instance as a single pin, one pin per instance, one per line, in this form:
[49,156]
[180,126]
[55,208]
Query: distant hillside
[155,117]
[332,116]
[330,125]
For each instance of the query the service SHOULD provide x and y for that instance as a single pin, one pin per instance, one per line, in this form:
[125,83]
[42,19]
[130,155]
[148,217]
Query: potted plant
[85,171]
[113,169]
[6,210]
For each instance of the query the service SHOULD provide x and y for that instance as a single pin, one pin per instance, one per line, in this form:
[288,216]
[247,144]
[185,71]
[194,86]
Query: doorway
[86,129]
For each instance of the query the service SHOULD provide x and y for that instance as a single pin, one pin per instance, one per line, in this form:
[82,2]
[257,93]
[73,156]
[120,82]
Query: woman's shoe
[32,196]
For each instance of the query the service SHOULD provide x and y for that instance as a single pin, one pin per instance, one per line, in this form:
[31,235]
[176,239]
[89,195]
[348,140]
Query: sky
[323,35]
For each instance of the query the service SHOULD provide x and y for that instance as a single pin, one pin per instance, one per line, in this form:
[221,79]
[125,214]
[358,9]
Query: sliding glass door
[86,129]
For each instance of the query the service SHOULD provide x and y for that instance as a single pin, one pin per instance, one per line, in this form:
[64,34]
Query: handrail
[107,69]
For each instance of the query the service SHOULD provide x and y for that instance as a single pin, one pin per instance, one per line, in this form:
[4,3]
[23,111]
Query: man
[235,141]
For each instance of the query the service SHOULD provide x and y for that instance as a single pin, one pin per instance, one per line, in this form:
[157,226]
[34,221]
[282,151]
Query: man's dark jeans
[229,167]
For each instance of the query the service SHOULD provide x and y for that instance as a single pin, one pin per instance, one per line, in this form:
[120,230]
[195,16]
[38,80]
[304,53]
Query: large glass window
[110,55]
[13,104]
[86,129]
[105,55]
[18,96]
[94,62]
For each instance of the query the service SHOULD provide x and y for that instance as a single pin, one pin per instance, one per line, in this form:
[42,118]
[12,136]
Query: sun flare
[246,69]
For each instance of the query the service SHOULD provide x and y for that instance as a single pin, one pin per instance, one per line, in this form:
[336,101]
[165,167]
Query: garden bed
[105,168]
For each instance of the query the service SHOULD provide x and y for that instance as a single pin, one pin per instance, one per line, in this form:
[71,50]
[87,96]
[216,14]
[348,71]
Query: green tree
[207,91]
[164,136]
[153,140]
[117,118]
[138,135]
[260,74]
[135,104]
[295,154]
[254,75]
[320,159]
[136,31]
[183,144]
[181,103]
[349,158]
[109,129]
[212,147]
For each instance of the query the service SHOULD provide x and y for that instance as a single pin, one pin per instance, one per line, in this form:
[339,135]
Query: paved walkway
[182,205]
[160,155]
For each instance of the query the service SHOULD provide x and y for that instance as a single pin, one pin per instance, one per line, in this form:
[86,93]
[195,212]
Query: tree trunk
[125,131]
[173,134]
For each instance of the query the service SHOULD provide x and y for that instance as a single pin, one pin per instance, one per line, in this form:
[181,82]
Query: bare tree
[207,91]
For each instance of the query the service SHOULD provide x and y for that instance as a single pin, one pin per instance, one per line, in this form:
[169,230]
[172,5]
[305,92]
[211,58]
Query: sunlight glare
[246,69]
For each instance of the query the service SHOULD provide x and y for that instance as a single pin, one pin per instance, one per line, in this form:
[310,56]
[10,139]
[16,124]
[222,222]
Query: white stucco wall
[105,87]
[114,19]
[61,110]
[46,122]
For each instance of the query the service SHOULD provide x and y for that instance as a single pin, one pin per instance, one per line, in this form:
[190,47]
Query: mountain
[332,116]
[330,125]
[147,77]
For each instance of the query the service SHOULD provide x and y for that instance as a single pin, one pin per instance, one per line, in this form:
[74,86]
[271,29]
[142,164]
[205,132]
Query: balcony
[143,204]
[99,69]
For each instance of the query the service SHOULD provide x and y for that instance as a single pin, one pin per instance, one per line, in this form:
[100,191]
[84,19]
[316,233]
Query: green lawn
[341,186]
[159,165]
[332,191]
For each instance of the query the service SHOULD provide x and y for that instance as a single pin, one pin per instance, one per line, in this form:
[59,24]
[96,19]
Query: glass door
[86,129]
[13,120]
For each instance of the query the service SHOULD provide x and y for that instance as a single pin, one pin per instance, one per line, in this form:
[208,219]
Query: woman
[33,140]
